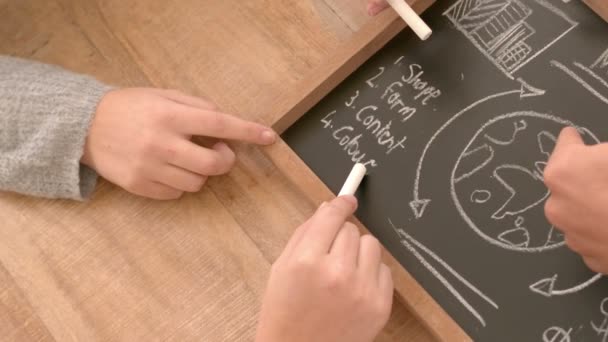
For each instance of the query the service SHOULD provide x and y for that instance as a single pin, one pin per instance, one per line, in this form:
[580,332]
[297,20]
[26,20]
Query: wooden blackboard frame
[287,110]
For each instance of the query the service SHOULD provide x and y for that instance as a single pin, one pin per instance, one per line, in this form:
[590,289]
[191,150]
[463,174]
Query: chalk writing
[381,131]
[395,100]
[350,103]
[370,82]
[351,144]
[557,334]
[327,121]
[425,91]
[602,328]
[370,123]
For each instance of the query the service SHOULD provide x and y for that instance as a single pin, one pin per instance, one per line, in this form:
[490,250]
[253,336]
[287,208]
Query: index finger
[325,224]
[569,136]
[210,123]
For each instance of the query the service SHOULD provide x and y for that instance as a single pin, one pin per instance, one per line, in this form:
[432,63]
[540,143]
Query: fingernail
[269,136]
[352,200]
[322,205]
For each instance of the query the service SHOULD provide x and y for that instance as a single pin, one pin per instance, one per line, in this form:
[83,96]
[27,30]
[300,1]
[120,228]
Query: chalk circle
[480,196]
[483,196]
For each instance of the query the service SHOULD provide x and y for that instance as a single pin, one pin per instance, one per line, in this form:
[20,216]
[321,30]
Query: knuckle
[336,277]
[305,262]
[148,144]
[163,116]
[552,212]
[171,154]
[371,242]
[559,167]
[358,297]
[551,174]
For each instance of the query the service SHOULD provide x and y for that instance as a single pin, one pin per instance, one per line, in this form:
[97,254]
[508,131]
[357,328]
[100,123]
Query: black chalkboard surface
[455,132]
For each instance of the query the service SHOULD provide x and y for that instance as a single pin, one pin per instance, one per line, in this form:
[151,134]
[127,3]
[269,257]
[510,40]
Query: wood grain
[122,268]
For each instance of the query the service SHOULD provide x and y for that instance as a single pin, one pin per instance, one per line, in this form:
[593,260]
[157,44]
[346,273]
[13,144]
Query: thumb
[568,137]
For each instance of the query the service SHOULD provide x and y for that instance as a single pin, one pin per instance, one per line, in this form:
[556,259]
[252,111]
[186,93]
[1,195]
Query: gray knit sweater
[45,113]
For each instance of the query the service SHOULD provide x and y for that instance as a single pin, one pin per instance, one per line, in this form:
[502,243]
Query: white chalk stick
[411,18]
[353,180]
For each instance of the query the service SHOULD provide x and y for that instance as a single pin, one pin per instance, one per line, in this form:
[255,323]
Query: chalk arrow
[527,90]
[546,287]
[419,205]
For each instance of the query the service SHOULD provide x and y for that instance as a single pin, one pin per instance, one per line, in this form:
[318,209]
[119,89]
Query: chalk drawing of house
[502,29]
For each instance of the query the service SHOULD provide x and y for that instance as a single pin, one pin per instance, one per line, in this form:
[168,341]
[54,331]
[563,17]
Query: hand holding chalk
[405,11]
[329,284]
[354,179]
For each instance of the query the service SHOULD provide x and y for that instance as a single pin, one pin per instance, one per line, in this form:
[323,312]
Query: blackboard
[455,132]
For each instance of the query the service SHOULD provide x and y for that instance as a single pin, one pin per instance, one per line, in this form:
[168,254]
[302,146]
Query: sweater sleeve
[45,113]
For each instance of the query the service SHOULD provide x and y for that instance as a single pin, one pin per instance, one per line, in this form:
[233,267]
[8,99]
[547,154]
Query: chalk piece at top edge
[422,30]
[353,180]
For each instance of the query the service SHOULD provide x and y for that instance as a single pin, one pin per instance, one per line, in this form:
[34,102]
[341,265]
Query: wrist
[87,157]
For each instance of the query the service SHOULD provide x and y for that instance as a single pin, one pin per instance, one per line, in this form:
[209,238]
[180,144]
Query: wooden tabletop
[123,268]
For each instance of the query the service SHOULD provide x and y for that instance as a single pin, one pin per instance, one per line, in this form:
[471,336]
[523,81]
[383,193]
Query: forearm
[45,113]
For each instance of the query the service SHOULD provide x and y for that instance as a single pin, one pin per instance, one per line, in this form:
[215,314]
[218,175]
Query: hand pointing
[140,139]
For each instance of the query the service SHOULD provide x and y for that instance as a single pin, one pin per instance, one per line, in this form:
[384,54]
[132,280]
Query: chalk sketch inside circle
[497,182]
[481,196]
